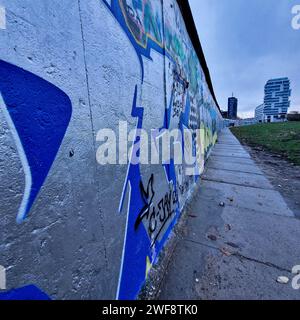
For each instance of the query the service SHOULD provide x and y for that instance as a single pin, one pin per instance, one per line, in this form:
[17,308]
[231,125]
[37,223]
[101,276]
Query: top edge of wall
[187,15]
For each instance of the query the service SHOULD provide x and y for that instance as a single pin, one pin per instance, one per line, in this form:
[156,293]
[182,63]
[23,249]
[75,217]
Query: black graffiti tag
[156,216]
[147,196]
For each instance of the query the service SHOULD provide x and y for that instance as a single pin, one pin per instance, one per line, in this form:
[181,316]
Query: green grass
[280,138]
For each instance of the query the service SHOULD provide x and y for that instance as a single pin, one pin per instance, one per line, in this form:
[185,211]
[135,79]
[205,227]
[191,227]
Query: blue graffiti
[140,252]
[30,292]
[38,114]
[135,253]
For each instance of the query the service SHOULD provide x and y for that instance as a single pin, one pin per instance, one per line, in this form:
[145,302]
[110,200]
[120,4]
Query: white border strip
[124,242]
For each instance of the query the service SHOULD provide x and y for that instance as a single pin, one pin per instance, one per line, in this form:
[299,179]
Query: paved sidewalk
[240,235]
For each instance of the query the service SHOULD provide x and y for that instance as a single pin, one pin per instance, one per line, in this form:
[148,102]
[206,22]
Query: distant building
[232,107]
[259,113]
[276,102]
[293,116]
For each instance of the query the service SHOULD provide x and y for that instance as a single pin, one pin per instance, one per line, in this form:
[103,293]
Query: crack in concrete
[93,131]
[263,212]
[236,171]
[268,264]
[214,154]
[240,256]
[236,184]
[215,158]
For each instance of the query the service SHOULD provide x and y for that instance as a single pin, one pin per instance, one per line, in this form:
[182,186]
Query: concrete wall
[68,226]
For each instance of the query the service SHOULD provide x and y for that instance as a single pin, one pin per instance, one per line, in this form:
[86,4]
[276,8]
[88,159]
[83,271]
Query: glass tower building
[276,101]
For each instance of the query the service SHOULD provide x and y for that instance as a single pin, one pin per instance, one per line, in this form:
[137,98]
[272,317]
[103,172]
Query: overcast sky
[247,42]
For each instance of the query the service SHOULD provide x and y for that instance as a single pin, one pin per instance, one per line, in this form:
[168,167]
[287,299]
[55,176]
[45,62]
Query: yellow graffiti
[148,267]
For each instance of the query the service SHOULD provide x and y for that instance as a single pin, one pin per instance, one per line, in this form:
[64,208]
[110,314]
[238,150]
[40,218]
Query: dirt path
[284,176]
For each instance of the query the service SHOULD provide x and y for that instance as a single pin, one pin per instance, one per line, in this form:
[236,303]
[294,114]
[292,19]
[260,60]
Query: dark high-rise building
[232,107]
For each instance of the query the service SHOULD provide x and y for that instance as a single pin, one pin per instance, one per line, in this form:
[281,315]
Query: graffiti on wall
[155,217]
[38,114]
[158,26]
[30,292]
